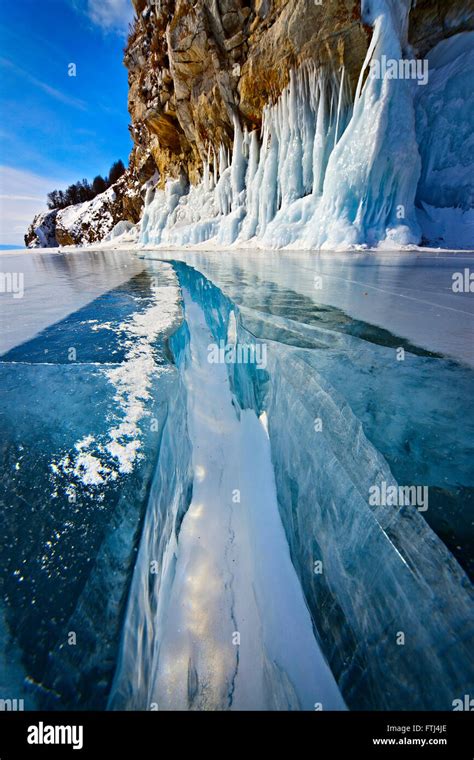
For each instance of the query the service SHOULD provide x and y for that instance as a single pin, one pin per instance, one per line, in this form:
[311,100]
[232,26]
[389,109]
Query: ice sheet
[55,285]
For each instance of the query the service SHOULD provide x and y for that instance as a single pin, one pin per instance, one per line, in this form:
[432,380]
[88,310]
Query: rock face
[88,222]
[193,64]
[42,231]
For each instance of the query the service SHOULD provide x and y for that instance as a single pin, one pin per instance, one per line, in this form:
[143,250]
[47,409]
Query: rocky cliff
[88,222]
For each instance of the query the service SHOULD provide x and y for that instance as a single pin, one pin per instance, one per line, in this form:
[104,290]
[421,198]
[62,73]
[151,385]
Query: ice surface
[228,572]
[140,563]
[408,294]
[386,571]
[71,508]
[55,285]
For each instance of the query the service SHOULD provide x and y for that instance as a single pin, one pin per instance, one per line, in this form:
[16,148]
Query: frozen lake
[409,294]
[206,528]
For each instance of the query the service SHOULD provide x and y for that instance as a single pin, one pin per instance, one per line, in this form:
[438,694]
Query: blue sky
[55,128]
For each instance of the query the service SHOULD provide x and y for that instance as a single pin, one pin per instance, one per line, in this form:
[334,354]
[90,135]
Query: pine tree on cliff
[116,171]
[99,185]
[82,191]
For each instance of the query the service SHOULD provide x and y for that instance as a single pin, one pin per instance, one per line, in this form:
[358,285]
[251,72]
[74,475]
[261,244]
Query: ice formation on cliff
[326,172]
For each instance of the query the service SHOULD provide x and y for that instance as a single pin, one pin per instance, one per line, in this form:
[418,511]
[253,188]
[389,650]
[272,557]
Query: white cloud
[109,15]
[22,195]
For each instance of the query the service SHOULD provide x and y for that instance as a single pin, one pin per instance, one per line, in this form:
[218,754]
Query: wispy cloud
[52,91]
[109,15]
[35,198]
[22,195]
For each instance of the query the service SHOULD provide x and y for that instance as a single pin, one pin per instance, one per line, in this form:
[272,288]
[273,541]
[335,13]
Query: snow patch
[97,462]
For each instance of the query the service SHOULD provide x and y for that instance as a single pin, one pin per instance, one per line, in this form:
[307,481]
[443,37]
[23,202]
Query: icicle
[208,179]
[246,143]
[223,163]
[368,57]
[252,182]
[238,165]
[214,165]
[339,105]
[266,189]
[319,138]
[205,175]
[372,174]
